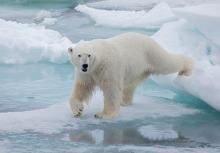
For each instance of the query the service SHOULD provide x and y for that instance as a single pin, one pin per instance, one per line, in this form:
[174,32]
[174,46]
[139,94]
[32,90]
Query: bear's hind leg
[112,100]
[128,93]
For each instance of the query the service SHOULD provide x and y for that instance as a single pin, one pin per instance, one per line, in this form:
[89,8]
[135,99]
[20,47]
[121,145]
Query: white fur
[117,65]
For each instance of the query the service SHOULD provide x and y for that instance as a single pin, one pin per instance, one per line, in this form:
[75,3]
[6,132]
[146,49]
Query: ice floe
[182,37]
[23,43]
[58,117]
[205,17]
[154,18]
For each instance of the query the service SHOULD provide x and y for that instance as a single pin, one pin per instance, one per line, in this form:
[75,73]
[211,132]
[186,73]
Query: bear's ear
[70,50]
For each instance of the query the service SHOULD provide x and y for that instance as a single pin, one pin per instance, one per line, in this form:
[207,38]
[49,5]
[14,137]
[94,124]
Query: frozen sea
[170,114]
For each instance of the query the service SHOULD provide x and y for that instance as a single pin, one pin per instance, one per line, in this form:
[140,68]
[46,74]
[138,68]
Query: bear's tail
[186,66]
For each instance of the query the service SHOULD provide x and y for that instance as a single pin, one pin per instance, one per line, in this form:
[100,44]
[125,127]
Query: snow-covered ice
[48,120]
[54,118]
[207,22]
[182,37]
[162,119]
[23,43]
[154,18]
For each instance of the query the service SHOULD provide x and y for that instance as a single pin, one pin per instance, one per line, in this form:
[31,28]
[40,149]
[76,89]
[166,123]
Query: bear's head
[83,58]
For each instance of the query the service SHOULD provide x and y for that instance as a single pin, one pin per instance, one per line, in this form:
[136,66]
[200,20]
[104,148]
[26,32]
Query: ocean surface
[36,79]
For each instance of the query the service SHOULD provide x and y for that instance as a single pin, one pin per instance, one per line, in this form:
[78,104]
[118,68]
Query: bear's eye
[79,55]
[89,55]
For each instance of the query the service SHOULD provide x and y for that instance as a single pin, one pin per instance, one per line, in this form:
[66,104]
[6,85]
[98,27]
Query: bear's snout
[85,66]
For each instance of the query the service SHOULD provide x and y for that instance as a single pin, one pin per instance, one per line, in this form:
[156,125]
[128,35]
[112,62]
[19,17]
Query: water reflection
[117,136]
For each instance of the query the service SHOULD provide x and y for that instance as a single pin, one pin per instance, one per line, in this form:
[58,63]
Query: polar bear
[117,65]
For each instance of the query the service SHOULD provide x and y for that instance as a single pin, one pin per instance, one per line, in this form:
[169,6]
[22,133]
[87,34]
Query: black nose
[85,66]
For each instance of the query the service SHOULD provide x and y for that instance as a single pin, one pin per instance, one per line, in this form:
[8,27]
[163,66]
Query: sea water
[34,111]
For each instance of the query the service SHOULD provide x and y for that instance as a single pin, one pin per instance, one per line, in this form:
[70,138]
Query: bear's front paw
[77,108]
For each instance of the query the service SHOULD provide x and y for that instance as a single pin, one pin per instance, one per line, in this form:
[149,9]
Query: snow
[28,43]
[126,19]
[206,55]
[55,118]
[207,22]
[158,132]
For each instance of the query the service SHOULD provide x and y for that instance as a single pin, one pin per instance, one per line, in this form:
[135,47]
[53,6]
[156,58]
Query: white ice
[158,132]
[207,22]
[184,36]
[154,18]
[23,43]
[54,118]
[48,120]
[42,14]
[46,18]
[48,21]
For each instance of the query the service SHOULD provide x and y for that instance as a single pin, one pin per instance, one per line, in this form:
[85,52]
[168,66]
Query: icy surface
[34,112]
[42,14]
[46,18]
[63,147]
[158,132]
[98,136]
[164,149]
[207,22]
[124,19]
[49,21]
[48,120]
[206,55]
[54,118]
[23,43]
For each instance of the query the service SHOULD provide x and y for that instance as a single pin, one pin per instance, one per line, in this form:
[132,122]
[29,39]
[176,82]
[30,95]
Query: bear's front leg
[82,91]
[112,100]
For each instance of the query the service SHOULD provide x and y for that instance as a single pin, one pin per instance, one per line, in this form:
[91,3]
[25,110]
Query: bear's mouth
[84,70]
